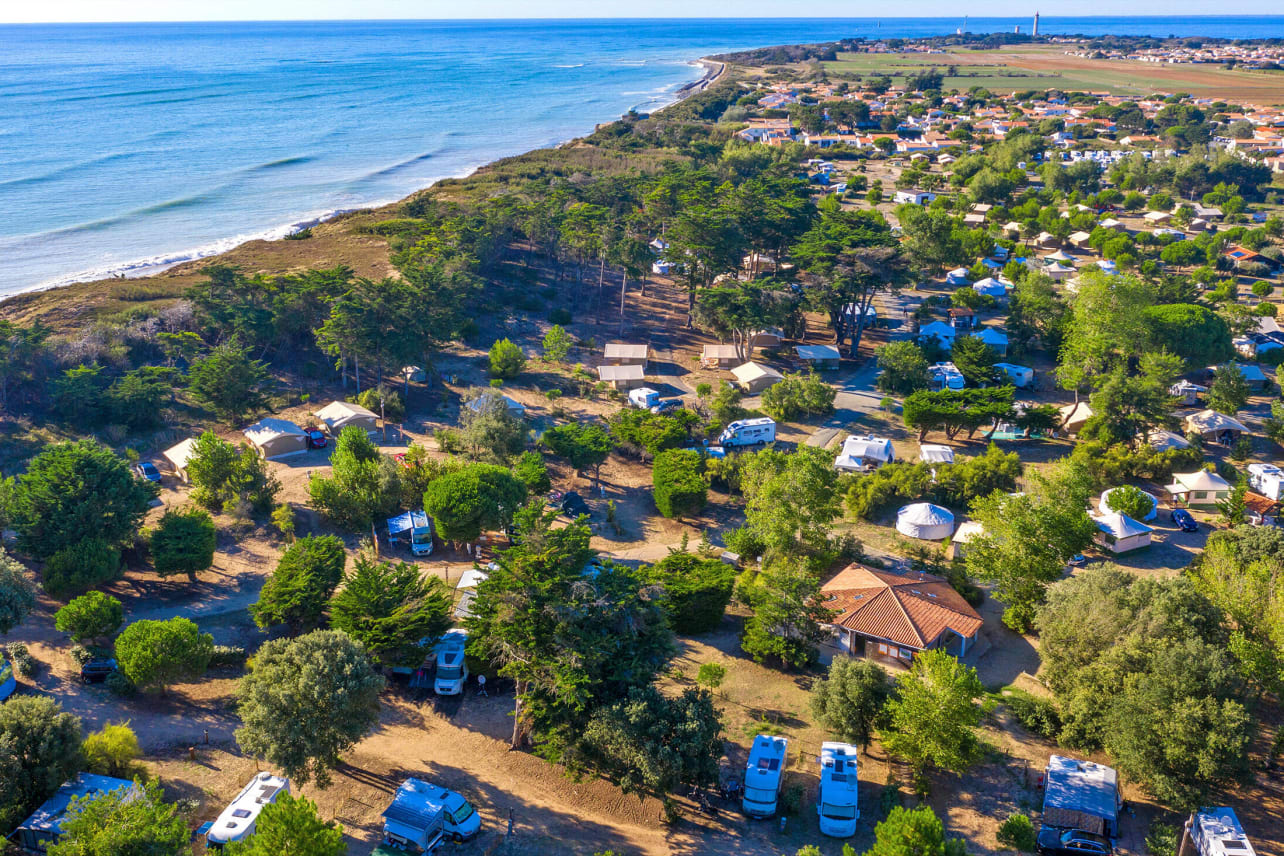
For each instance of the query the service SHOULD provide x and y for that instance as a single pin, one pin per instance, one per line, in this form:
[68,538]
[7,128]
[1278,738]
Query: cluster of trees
[955,410]
[958,483]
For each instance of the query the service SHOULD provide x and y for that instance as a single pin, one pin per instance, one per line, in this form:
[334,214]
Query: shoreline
[142,269]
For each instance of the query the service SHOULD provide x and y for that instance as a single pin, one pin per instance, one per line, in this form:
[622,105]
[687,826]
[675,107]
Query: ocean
[125,148]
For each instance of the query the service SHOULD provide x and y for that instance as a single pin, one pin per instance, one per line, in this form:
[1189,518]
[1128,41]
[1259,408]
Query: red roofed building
[894,616]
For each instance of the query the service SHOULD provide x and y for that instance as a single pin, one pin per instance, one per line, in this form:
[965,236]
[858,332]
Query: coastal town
[874,451]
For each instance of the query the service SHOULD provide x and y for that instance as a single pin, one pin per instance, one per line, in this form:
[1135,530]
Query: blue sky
[240,10]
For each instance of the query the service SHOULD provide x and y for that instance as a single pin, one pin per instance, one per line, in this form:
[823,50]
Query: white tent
[1200,488]
[942,331]
[1119,533]
[958,276]
[864,452]
[1104,506]
[935,454]
[515,408]
[277,438]
[179,456]
[996,340]
[1210,423]
[925,521]
[754,377]
[990,286]
[338,415]
[963,536]
[1162,441]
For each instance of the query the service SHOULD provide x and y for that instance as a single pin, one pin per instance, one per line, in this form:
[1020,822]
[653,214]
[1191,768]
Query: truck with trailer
[748,432]
[763,775]
[414,528]
[237,821]
[837,806]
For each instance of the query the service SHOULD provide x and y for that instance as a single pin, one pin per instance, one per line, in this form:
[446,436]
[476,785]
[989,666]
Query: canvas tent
[515,408]
[1074,416]
[1199,489]
[719,356]
[621,377]
[990,286]
[958,276]
[963,536]
[753,378]
[818,356]
[1215,426]
[338,415]
[864,452]
[932,453]
[996,340]
[925,521]
[1162,441]
[179,455]
[625,354]
[277,438]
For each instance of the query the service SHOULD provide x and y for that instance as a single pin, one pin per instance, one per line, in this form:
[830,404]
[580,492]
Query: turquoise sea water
[127,147]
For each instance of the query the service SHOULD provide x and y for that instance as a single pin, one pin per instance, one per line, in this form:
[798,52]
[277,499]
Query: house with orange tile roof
[892,616]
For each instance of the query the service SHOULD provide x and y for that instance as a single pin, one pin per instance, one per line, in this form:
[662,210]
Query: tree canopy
[395,612]
[299,589]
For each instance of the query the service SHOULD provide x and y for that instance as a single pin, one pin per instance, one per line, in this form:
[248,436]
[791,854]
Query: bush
[1017,833]
[21,658]
[1162,839]
[680,486]
[80,655]
[1262,288]
[385,402]
[711,675]
[1035,713]
[798,394]
[184,542]
[791,799]
[83,565]
[119,685]
[506,359]
[696,591]
[91,616]
[113,751]
[227,656]
[560,316]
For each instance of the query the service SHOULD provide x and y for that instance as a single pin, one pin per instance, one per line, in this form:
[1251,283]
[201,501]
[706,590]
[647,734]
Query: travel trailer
[237,820]
[837,805]
[749,432]
[644,398]
[1266,479]
[764,774]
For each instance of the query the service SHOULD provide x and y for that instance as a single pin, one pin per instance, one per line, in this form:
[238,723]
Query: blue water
[127,147]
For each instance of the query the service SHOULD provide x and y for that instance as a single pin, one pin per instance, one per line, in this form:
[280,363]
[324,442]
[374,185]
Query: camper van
[643,398]
[1021,376]
[838,786]
[452,671]
[763,775]
[415,527]
[422,815]
[748,432]
[1266,479]
[236,823]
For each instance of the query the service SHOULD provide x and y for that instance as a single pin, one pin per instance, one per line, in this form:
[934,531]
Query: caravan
[1266,479]
[452,671]
[422,815]
[414,526]
[837,805]
[237,820]
[748,432]
[764,774]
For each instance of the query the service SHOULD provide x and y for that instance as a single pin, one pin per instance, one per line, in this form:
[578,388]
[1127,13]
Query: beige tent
[1200,488]
[1213,425]
[719,356]
[179,455]
[1074,416]
[338,415]
[277,438]
[623,354]
[621,377]
[754,378]
[963,536]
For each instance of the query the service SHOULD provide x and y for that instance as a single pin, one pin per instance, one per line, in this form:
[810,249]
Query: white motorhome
[1266,479]
[837,805]
[452,671]
[415,527]
[1021,376]
[749,432]
[764,774]
[422,815]
[238,819]
[643,397]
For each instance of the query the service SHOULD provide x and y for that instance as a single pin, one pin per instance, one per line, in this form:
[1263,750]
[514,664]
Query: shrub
[506,359]
[184,542]
[791,799]
[1035,713]
[1017,833]
[798,394]
[226,656]
[1162,839]
[91,616]
[711,675]
[560,316]
[113,751]
[1129,500]
[385,402]
[531,470]
[696,590]
[119,685]
[1262,288]
[680,486]
[80,655]
[21,659]
[85,564]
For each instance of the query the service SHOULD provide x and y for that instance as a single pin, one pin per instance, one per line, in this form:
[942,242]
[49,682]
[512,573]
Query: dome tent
[925,521]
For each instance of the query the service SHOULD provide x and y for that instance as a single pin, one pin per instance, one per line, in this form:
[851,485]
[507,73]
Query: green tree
[933,718]
[229,382]
[506,360]
[1129,401]
[17,594]
[472,500]
[531,470]
[136,398]
[737,312]
[1130,500]
[90,617]
[73,491]
[118,823]
[306,701]
[787,613]
[75,568]
[113,751]
[932,238]
[78,394]
[392,610]
[155,654]
[679,486]
[299,589]
[791,499]
[903,368]
[851,700]
[42,750]
[1229,392]
[364,487]
[184,542]
[975,360]
[913,832]
[1037,314]
[798,394]
[557,344]
[582,444]
[489,429]
[290,826]
[696,591]
[649,433]
[1108,325]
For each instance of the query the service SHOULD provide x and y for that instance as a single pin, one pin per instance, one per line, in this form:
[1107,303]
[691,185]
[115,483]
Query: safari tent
[277,438]
[178,456]
[753,378]
[338,415]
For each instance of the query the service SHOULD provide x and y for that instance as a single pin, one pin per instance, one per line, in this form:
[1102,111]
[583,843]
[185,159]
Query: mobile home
[422,815]
[237,820]
[44,827]
[837,806]
[749,432]
[764,774]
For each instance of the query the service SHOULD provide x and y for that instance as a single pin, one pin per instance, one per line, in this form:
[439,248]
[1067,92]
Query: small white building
[625,354]
[913,197]
[925,521]
[719,356]
[963,536]
[862,453]
[1119,533]
[1200,489]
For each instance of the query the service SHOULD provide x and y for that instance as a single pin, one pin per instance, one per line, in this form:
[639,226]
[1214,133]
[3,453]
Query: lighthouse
[1035,31]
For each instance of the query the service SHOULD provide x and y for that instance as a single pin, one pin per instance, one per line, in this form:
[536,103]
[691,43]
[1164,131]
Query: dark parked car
[574,505]
[97,670]
[1184,521]
[1072,842]
[316,439]
[147,471]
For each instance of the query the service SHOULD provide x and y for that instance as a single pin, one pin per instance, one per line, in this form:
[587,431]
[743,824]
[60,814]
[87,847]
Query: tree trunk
[624,286]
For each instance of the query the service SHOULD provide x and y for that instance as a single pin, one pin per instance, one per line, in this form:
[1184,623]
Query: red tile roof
[911,609]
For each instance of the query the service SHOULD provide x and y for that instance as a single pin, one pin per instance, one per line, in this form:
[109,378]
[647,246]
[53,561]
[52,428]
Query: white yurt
[925,521]
[1104,507]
